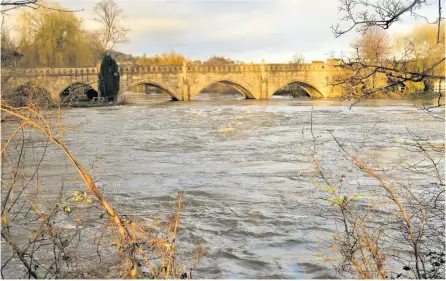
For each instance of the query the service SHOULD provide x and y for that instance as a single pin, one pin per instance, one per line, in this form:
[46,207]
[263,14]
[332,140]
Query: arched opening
[77,92]
[29,93]
[296,90]
[223,90]
[147,92]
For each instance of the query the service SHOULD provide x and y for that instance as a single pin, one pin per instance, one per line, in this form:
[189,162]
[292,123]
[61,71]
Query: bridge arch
[162,86]
[311,90]
[242,89]
[71,91]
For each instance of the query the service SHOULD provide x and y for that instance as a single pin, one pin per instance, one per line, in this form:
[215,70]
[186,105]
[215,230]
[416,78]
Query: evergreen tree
[109,78]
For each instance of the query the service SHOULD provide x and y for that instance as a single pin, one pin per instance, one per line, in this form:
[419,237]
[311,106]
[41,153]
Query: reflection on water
[239,164]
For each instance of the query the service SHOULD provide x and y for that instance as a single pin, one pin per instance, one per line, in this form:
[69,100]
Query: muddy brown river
[243,167]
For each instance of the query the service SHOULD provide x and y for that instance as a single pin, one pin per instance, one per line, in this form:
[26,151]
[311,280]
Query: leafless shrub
[64,230]
[393,228]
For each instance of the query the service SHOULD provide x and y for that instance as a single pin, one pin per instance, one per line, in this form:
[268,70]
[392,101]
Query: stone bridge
[184,82]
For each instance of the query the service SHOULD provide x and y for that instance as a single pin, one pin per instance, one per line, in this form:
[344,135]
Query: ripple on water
[244,169]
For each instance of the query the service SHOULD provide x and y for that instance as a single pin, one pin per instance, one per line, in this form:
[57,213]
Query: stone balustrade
[130,69]
[72,71]
[126,69]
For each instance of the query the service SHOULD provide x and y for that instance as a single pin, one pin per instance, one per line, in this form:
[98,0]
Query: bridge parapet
[71,71]
[224,68]
[130,69]
[296,67]
[233,68]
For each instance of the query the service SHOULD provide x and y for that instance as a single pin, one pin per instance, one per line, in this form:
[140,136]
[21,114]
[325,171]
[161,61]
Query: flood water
[241,166]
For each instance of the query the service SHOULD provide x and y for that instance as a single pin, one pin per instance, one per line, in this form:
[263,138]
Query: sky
[246,30]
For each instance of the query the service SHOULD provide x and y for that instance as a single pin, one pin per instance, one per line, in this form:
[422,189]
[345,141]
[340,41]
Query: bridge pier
[186,94]
[263,82]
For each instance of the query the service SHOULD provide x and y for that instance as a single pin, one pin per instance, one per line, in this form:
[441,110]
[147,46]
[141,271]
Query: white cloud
[240,29]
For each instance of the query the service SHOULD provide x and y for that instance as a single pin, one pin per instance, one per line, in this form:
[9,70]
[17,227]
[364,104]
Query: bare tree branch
[362,14]
[8,5]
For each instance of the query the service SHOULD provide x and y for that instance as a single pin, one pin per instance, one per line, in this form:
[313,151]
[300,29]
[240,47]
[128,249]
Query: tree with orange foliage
[374,45]
[214,60]
[164,59]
